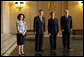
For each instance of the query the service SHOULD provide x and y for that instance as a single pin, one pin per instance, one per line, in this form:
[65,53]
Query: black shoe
[64,49]
[54,51]
[69,49]
[19,55]
[38,52]
[22,54]
[52,54]
[42,50]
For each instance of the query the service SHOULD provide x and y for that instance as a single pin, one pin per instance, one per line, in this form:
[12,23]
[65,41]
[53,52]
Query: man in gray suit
[66,27]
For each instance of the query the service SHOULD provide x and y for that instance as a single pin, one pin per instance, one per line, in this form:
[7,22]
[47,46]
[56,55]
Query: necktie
[67,18]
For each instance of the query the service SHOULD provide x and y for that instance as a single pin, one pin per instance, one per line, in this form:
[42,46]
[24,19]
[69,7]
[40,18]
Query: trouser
[38,42]
[66,39]
[53,42]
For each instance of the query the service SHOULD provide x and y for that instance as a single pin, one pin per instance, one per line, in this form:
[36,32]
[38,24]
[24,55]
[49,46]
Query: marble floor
[29,49]
[7,40]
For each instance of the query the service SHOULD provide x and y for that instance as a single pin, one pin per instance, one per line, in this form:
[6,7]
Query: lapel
[55,21]
[39,19]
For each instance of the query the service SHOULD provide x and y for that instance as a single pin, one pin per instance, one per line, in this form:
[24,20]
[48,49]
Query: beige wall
[76,11]
[31,10]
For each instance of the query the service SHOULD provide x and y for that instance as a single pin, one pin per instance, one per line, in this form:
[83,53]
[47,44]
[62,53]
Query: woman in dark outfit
[53,30]
[21,30]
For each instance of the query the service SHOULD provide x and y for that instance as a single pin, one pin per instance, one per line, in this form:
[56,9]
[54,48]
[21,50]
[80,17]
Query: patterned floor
[76,45]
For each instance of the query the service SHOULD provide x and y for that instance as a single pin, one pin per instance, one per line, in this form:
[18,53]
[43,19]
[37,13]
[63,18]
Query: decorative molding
[51,5]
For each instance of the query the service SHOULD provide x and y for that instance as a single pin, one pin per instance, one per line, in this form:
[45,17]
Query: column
[5,17]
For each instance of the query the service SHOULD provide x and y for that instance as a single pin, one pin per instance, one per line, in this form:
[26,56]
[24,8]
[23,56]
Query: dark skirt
[20,39]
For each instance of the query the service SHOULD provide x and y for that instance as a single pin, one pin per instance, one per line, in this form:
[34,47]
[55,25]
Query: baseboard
[77,32]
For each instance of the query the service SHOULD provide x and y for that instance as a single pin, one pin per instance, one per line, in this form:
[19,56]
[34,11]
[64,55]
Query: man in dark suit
[53,30]
[66,27]
[39,29]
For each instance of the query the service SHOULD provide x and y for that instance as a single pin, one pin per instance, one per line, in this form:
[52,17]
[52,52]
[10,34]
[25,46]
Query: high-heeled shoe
[22,54]
[19,54]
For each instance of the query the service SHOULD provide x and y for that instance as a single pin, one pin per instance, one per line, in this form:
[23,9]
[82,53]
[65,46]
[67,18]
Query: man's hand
[62,30]
[49,34]
[71,29]
[57,34]
[34,32]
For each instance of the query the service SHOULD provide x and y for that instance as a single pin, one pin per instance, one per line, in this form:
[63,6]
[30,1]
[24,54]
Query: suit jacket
[53,26]
[66,25]
[39,27]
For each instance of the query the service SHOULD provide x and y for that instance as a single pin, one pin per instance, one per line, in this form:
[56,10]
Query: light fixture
[81,2]
[19,4]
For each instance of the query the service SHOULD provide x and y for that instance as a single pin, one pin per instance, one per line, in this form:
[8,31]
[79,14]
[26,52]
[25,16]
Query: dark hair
[40,10]
[19,15]
[52,13]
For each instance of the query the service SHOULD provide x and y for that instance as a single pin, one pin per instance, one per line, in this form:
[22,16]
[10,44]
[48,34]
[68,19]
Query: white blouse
[21,26]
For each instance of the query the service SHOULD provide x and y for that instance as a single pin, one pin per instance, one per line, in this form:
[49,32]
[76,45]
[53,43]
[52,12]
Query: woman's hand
[62,30]
[23,33]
